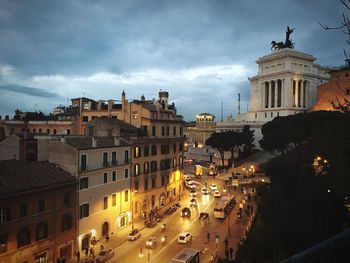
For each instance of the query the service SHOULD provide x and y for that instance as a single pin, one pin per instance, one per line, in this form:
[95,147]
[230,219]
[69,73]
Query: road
[129,251]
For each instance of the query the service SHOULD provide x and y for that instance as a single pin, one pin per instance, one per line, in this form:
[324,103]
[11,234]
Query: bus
[187,255]
[224,206]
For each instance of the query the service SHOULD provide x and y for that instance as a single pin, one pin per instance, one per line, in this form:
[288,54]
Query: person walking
[86,251]
[78,256]
[208,237]
[107,238]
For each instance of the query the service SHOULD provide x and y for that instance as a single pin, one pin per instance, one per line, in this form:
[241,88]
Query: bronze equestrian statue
[287,44]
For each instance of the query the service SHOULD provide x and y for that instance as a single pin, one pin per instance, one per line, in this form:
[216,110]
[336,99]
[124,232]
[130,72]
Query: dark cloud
[71,38]
[28,91]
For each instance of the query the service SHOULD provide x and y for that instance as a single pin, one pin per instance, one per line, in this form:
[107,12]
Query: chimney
[116,141]
[94,142]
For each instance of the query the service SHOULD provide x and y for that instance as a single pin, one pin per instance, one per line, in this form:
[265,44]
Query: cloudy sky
[201,51]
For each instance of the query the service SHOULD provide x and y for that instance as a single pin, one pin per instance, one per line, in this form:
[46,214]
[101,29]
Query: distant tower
[143,98]
[239,105]
[163,99]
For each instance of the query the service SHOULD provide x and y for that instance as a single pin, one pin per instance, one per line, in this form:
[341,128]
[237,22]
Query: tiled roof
[21,176]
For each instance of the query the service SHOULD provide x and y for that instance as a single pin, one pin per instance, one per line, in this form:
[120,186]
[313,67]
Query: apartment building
[102,166]
[37,212]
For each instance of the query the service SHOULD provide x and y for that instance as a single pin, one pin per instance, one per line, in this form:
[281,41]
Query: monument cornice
[285,53]
[286,72]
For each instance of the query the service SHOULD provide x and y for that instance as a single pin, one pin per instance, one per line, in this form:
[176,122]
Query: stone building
[286,83]
[205,126]
[37,212]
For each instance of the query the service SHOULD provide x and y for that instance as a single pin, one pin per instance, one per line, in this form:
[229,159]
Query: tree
[218,142]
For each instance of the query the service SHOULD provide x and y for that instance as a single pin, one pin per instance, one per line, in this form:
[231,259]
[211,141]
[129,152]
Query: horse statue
[277,45]
[287,44]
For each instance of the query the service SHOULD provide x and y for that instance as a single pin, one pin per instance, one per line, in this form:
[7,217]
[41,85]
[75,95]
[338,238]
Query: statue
[287,44]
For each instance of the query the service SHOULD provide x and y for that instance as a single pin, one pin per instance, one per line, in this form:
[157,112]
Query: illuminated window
[146,167]
[174,162]
[137,169]
[126,195]
[134,114]
[114,199]
[137,151]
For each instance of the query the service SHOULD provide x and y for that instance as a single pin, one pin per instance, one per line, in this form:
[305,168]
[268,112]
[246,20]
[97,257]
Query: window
[34,130]
[48,131]
[5,215]
[85,118]
[126,157]
[265,115]
[41,205]
[105,159]
[23,210]
[114,199]
[163,130]
[271,114]
[163,149]
[153,179]
[174,147]
[23,237]
[68,131]
[83,164]
[66,199]
[181,160]
[146,150]
[126,173]
[137,151]
[114,176]
[181,131]
[126,195]
[154,149]
[146,183]
[105,202]
[164,164]
[146,168]
[3,243]
[105,178]
[136,185]
[84,183]
[153,166]
[54,131]
[153,130]
[174,130]
[66,222]
[137,169]
[114,158]
[256,115]
[41,230]
[153,200]
[84,211]
[174,162]
[181,147]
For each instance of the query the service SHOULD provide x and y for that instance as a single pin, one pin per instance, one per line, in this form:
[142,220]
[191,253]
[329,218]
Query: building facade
[286,84]
[103,167]
[37,212]
[204,128]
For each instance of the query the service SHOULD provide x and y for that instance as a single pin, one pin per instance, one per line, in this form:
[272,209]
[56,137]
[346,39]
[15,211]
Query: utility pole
[222,111]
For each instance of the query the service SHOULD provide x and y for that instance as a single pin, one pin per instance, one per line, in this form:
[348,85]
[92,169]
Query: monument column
[296,93]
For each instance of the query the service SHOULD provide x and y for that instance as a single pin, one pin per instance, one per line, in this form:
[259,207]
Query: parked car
[205,191]
[217,193]
[134,234]
[203,215]
[186,212]
[193,202]
[184,237]
[151,242]
[104,255]
[193,192]
[213,187]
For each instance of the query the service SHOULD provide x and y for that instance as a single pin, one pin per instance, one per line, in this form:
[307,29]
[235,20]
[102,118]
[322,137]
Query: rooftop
[21,176]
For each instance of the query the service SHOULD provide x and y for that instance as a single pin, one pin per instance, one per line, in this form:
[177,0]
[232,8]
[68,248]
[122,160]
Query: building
[204,128]
[19,147]
[102,166]
[337,88]
[286,84]
[37,212]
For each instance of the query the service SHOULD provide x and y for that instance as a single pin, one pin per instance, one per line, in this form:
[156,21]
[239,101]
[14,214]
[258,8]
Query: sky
[200,51]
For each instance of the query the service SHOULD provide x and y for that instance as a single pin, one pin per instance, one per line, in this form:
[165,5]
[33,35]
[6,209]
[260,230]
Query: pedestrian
[86,251]
[107,237]
[101,247]
[91,252]
[78,256]
[208,237]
